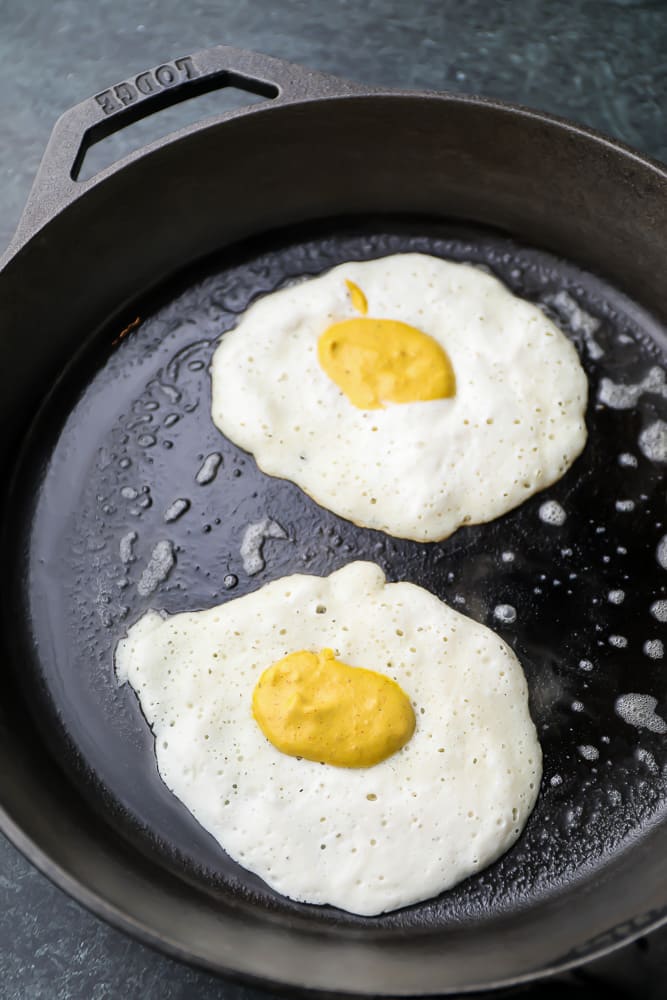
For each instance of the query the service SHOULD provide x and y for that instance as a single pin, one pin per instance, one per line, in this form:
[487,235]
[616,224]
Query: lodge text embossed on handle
[146,84]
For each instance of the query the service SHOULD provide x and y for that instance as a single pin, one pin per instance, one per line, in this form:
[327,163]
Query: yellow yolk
[311,705]
[374,361]
[359,300]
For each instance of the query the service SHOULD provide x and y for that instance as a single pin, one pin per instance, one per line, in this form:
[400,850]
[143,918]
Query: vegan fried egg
[408,394]
[351,741]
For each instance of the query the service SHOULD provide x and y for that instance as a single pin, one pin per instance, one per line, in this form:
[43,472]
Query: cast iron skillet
[112,296]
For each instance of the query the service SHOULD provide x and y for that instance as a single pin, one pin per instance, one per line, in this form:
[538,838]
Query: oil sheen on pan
[144,504]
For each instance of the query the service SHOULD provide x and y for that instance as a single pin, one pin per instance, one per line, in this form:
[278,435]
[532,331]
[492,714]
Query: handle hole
[150,118]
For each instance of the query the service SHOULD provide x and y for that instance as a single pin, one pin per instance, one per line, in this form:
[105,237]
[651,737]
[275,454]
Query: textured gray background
[600,62]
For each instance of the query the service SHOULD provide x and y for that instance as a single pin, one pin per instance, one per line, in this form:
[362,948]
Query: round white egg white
[414,470]
[365,840]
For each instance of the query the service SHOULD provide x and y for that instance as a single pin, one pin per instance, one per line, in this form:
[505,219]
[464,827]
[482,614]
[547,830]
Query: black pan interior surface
[117,471]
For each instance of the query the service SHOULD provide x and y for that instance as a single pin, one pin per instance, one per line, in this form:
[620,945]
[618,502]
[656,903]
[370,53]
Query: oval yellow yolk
[374,361]
[311,705]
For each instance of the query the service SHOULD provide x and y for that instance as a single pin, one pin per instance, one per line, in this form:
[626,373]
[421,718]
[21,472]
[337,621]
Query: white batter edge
[454,799]
[413,470]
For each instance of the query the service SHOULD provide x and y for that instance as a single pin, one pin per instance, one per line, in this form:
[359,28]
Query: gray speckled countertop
[599,62]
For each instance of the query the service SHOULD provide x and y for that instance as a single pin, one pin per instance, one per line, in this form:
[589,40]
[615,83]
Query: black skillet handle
[56,184]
